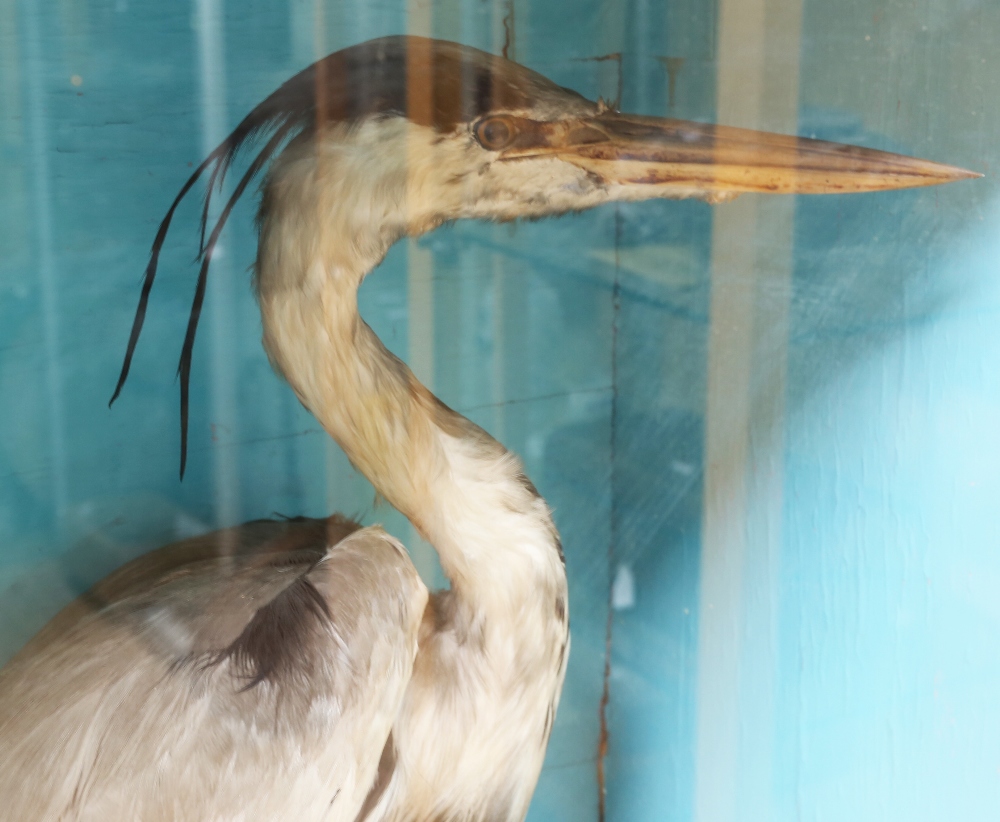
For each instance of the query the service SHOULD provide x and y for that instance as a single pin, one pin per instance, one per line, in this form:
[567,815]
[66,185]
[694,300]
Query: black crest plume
[292,107]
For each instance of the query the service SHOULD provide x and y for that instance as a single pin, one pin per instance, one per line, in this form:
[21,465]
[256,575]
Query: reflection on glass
[761,427]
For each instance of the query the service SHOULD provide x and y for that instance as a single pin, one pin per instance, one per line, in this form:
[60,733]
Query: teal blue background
[864,674]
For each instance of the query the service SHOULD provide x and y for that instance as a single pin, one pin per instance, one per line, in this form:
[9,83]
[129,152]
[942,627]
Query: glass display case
[769,429]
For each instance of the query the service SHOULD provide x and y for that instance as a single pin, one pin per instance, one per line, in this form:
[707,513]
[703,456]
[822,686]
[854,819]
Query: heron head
[481,136]
[446,132]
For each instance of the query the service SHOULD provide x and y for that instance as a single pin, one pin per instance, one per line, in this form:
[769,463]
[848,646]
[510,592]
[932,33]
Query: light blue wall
[866,553]
[863,547]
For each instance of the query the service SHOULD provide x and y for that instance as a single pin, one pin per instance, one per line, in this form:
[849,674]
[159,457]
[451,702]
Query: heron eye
[494,133]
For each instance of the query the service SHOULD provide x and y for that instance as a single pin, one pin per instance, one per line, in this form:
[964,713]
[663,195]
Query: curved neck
[463,491]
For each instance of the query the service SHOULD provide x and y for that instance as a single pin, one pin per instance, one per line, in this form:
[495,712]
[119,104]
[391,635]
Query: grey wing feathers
[257,538]
[262,679]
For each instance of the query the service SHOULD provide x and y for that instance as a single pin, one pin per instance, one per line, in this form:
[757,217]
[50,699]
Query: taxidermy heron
[298,670]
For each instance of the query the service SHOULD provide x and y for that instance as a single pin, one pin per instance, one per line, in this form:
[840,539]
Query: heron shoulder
[239,665]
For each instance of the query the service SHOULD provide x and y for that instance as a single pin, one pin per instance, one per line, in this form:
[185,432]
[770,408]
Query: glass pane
[767,428]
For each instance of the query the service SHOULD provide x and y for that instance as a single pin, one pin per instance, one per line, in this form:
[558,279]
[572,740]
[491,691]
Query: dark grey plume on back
[372,78]
[281,543]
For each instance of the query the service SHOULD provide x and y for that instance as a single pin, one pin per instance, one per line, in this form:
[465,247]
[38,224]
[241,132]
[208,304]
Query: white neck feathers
[330,211]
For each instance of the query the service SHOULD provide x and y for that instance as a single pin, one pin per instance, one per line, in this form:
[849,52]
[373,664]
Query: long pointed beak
[656,157]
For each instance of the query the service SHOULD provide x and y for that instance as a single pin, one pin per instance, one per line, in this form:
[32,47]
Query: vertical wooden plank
[498,362]
[774,265]
[221,326]
[506,348]
[420,263]
[420,284]
[12,131]
[37,132]
[758,49]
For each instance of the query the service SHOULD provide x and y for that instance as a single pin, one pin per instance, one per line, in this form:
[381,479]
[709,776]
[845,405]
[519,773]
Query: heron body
[298,670]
